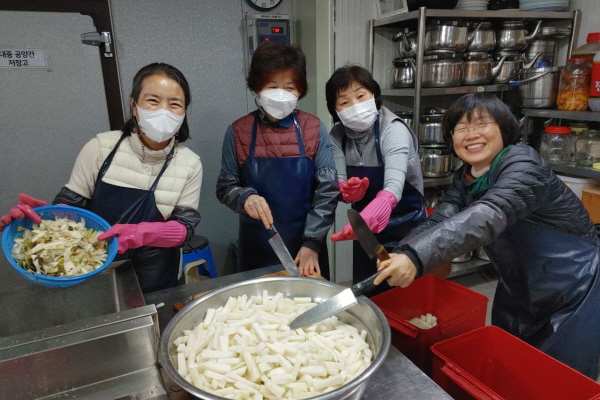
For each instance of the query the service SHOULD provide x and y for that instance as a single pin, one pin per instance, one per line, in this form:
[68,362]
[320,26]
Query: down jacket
[542,243]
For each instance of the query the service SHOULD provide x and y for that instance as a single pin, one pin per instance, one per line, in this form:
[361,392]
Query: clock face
[264,5]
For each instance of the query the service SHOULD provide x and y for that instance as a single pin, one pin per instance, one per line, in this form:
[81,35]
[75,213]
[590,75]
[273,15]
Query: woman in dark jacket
[535,230]
[277,167]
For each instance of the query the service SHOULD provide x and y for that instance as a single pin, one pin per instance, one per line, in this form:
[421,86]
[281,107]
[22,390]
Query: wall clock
[263,5]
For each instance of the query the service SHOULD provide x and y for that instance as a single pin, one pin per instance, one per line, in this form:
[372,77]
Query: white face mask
[159,125]
[278,103]
[359,117]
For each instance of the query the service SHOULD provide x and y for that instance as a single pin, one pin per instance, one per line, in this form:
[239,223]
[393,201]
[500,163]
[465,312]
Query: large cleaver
[346,298]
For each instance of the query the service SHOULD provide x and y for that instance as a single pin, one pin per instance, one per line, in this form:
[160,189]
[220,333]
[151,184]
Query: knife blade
[347,297]
[282,252]
[365,237]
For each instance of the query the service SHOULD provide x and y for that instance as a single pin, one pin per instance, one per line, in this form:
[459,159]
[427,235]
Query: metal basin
[364,315]
[111,291]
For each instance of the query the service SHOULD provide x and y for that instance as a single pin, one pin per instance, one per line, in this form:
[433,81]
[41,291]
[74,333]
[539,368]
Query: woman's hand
[23,210]
[257,208]
[308,262]
[400,269]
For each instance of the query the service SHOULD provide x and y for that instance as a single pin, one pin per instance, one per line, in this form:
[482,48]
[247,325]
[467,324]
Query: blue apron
[548,291]
[288,186]
[408,213]
[156,268]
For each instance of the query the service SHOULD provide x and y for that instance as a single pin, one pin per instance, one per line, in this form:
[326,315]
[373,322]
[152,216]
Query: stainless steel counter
[398,378]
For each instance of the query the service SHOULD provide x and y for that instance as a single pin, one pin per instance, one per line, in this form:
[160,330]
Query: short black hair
[343,78]
[510,128]
[272,57]
[170,72]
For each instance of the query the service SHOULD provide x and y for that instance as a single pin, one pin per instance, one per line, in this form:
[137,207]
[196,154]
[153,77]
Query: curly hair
[270,58]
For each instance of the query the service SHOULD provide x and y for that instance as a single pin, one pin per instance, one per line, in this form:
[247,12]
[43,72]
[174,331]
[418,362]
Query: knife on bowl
[347,297]
[282,252]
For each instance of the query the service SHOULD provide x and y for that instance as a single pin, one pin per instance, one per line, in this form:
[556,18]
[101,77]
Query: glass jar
[587,148]
[554,143]
[574,87]
[577,128]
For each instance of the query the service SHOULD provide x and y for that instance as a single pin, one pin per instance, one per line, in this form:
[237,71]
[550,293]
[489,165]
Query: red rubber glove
[155,234]
[354,189]
[23,210]
[376,214]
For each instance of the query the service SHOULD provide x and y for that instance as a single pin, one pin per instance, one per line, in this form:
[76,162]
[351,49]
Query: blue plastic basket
[51,212]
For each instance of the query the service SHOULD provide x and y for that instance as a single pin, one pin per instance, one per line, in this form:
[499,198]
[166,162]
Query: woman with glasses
[536,233]
[376,157]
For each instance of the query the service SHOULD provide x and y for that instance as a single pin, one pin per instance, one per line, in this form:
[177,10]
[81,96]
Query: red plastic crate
[458,310]
[489,363]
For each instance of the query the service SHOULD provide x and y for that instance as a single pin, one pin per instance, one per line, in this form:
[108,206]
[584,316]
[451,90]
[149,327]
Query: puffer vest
[276,142]
[128,170]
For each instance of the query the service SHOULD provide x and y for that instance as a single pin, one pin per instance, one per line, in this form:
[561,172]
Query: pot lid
[484,24]
[440,149]
[442,55]
[555,32]
[541,67]
[435,22]
[477,55]
[401,62]
[513,24]
[561,130]
[404,114]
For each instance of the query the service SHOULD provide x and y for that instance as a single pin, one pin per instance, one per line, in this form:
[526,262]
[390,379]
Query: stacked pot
[435,155]
[473,53]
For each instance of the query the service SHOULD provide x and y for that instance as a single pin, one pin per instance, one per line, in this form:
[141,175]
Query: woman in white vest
[140,179]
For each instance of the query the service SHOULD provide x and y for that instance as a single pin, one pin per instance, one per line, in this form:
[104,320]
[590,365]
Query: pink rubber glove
[155,234]
[354,189]
[23,210]
[376,214]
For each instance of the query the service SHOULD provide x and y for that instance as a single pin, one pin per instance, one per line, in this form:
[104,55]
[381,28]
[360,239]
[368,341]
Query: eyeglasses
[479,127]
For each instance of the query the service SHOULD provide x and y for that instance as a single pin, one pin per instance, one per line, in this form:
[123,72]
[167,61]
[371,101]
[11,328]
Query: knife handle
[382,253]
[365,285]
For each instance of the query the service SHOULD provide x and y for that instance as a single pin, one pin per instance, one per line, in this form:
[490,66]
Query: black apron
[288,186]
[408,213]
[548,291]
[156,267]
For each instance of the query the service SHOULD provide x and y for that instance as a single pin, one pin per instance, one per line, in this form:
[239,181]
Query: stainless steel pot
[538,87]
[554,32]
[442,69]
[547,50]
[403,74]
[483,38]
[430,128]
[513,35]
[513,63]
[463,258]
[435,162]
[456,163]
[364,315]
[406,44]
[448,35]
[479,69]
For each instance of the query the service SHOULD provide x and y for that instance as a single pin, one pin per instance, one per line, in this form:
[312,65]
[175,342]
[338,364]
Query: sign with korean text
[26,58]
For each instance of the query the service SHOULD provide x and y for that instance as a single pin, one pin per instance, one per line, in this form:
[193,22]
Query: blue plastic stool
[197,260]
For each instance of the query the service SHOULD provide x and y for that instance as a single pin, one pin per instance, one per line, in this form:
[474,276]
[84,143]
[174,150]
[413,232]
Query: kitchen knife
[347,297]
[282,252]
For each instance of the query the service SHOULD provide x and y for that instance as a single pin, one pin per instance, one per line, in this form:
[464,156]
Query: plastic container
[589,49]
[51,212]
[555,142]
[574,86]
[577,184]
[489,363]
[594,101]
[458,310]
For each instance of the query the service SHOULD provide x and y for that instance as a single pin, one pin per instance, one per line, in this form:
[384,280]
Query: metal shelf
[571,115]
[483,14]
[444,180]
[581,172]
[410,92]
[473,265]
